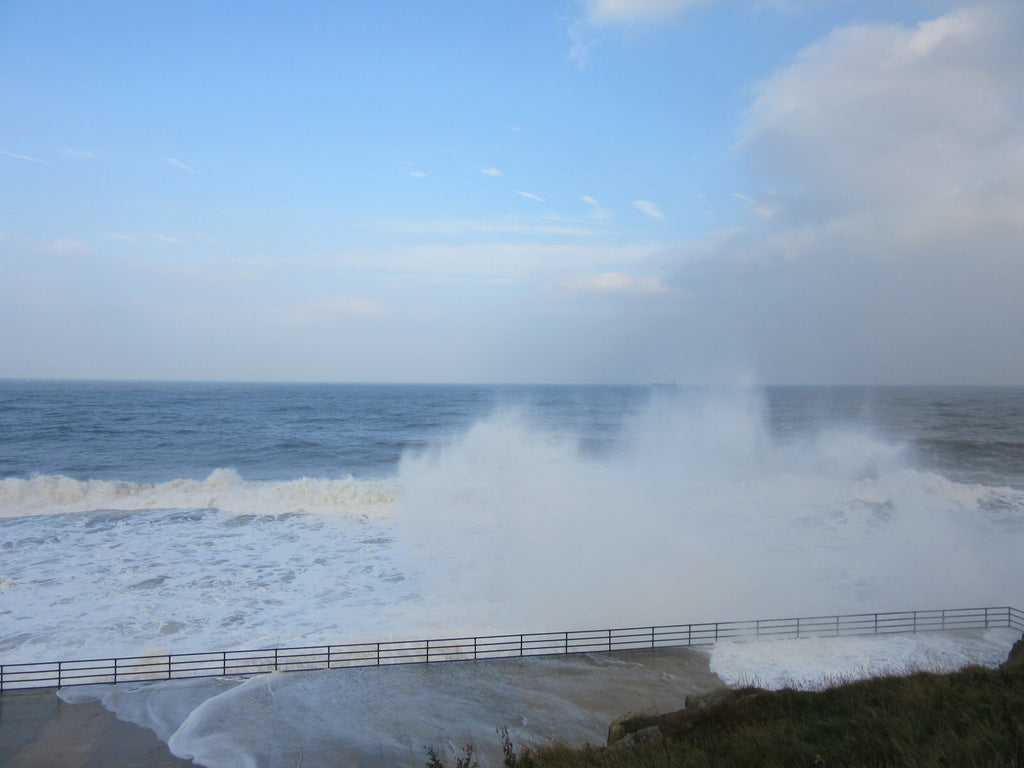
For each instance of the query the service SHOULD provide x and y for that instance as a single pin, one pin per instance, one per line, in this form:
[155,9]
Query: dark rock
[697,701]
[645,737]
[635,729]
[621,727]
[1015,661]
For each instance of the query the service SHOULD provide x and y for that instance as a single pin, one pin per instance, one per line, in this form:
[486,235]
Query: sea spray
[701,513]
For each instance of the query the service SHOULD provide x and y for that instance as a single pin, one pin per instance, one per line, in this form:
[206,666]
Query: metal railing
[252,662]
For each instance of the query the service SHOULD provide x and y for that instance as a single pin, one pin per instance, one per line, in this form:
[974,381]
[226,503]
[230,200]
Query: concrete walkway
[38,730]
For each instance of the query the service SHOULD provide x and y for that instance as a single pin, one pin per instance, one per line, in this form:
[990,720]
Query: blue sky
[797,191]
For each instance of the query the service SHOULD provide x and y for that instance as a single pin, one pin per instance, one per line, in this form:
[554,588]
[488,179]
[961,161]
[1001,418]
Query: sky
[548,191]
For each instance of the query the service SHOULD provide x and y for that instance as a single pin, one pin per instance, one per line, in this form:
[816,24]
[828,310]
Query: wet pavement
[38,730]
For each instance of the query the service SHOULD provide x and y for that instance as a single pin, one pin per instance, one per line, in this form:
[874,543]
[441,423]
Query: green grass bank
[972,718]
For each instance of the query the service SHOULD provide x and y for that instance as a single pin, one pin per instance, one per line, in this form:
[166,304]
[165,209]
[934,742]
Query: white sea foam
[815,663]
[224,490]
[99,584]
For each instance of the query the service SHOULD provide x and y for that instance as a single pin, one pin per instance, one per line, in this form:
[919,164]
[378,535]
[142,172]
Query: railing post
[943,619]
[609,639]
[168,666]
[876,623]
[224,663]
[474,649]
[567,642]
[798,628]
[428,651]
[757,631]
[60,665]
[520,645]
[275,659]
[652,637]
[115,671]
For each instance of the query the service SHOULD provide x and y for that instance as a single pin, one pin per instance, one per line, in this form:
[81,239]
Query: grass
[970,718]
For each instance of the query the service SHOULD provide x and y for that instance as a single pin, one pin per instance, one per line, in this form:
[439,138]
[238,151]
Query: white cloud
[119,236]
[21,157]
[634,11]
[181,165]
[506,261]
[531,196]
[585,30]
[582,42]
[614,282]
[353,306]
[169,239]
[417,174]
[488,226]
[652,210]
[599,213]
[316,314]
[918,128]
[888,248]
[64,247]
[490,172]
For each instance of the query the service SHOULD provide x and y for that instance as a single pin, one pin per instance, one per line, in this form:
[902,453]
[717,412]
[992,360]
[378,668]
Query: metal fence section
[253,662]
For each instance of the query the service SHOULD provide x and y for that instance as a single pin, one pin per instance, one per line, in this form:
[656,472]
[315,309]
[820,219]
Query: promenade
[38,730]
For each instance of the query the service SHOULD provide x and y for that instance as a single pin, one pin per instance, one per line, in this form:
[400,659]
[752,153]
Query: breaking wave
[223,490]
[701,514]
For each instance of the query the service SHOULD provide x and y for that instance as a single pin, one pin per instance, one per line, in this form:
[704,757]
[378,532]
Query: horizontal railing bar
[391,652]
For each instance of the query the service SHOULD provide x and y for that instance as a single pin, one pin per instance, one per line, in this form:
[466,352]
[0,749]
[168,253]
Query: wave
[224,490]
[703,513]
[700,512]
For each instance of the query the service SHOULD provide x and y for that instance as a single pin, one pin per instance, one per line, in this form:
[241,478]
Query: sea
[140,518]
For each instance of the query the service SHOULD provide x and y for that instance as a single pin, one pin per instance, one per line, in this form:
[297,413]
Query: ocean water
[144,518]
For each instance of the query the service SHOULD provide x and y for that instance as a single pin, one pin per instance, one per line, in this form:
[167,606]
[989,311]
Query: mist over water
[700,513]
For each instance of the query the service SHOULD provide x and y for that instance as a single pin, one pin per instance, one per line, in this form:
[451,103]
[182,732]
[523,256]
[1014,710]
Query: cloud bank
[885,242]
[632,11]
